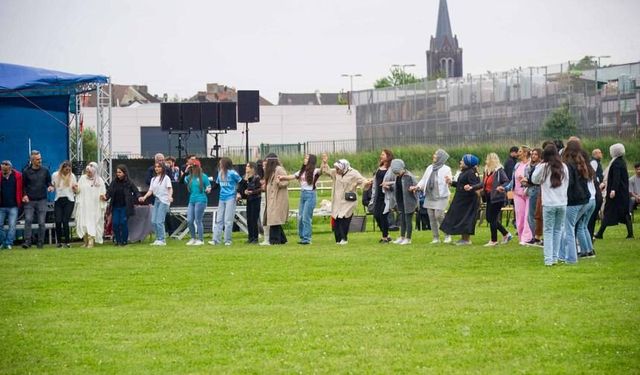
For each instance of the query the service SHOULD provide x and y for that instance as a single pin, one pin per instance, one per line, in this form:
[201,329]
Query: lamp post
[596,95]
[350,97]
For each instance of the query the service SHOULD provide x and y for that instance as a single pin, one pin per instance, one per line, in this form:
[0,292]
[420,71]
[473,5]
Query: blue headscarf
[470,160]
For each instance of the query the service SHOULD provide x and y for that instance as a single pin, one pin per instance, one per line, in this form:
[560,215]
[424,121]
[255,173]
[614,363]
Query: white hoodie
[551,197]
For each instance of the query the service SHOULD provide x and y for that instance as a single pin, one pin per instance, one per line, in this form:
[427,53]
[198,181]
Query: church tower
[444,57]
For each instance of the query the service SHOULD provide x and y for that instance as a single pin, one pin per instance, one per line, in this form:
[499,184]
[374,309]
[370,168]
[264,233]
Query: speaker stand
[216,147]
[246,148]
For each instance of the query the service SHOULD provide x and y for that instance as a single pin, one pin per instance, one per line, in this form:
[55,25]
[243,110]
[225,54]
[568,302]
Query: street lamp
[350,97]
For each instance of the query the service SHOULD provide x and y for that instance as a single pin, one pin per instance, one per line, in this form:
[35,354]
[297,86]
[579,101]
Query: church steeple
[444,57]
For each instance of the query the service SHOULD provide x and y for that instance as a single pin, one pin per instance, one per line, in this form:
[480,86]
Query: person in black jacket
[123,193]
[36,182]
[511,162]
[494,183]
[250,188]
[616,205]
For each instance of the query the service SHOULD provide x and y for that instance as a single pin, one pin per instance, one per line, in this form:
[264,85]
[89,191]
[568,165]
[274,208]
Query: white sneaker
[265,243]
[212,242]
[198,243]
[191,242]
[491,244]
[154,243]
[447,239]
[342,242]
[227,244]
[161,243]
[398,240]
[406,241]
[435,241]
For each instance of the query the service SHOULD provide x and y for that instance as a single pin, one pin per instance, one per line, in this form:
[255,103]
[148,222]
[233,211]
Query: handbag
[350,196]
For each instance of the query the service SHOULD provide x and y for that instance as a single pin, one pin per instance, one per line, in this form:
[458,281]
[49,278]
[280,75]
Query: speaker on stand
[248,111]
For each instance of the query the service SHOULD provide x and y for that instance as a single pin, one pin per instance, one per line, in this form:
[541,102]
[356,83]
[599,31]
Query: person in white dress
[90,206]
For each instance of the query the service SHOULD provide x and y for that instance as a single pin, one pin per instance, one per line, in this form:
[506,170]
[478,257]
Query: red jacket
[18,186]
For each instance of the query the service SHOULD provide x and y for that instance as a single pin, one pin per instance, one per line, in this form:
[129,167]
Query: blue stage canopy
[30,81]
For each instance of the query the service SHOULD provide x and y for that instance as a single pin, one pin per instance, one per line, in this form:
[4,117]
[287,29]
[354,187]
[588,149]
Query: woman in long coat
[616,205]
[461,217]
[345,180]
[90,206]
[277,200]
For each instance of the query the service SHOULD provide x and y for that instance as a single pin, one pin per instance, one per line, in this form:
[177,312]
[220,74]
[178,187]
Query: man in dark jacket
[36,182]
[511,162]
[10,202]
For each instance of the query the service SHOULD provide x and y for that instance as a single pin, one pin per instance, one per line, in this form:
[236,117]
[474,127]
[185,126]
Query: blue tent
[34,111]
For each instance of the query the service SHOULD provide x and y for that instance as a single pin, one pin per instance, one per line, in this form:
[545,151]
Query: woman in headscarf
[616,204]
[461,217]
[277,200]
[405,197]
[435,183]
[344,198]
[90,206]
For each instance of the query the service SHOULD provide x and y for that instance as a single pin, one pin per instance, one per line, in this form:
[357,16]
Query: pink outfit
[521,204]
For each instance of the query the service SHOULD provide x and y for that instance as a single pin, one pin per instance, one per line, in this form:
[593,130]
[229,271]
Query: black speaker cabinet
[227,116]
[248,106]
[190,116]
[209,116]
[170,117]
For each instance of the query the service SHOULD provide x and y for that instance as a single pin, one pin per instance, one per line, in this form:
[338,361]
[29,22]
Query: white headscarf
[342,164]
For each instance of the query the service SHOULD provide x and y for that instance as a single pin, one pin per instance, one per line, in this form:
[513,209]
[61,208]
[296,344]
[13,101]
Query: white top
[303,181]
[161,188]
[63,190]
[441,185]
[594,165]
[551,197]
[592,190]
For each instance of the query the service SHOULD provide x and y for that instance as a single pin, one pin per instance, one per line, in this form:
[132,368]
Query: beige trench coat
[341,208]
[277,209]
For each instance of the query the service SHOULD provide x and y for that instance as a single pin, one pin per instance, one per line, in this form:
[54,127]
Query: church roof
[444,25]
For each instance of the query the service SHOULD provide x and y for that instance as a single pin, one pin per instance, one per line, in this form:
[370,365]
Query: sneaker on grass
[406,241]
[191,242]
[447,239]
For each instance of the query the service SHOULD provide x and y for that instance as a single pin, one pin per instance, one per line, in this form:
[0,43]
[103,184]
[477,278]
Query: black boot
[629,227]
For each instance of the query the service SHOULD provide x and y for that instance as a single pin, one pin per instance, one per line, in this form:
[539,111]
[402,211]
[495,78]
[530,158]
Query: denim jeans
[8,236]
[120,224]
[224,219]
[582,227]
[533,199]
[305,214]
[41,207]
[158,214]
[195,213]
[568,245]
[553,219]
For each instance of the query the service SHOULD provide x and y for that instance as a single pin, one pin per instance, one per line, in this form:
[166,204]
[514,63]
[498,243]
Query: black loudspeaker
[248,106]
[227,116]
[209,116]
[170,117]
[190,116]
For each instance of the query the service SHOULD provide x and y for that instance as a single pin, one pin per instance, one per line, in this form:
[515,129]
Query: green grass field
[360,308]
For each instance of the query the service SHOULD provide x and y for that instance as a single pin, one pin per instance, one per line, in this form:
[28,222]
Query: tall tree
[397,77]
[560,123]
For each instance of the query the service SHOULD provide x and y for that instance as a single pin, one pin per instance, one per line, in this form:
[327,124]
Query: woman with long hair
[435,184]
[578,198]
[616,185]
[308,176]
[250,188]
[461,216]
[64,182]
[494,184]
[90,206]
[382,201]
[123,194]
[228,180]
[160,187]
[344,197]
[277,197]
[198,186]
[534,215]
[520,197]
[553,177]
[261,165]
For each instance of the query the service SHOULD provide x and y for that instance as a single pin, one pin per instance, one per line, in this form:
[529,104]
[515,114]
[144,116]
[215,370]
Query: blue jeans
[553,220]
[158,213]
[533,198]
[305,214]
[8,236]
[582,228]
[568,245]
[224,219]
[195,213]
[120,224]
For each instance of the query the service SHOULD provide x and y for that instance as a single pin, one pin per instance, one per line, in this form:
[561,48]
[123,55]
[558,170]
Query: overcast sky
[302,46]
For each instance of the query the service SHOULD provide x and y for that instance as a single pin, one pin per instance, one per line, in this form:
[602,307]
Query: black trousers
[63,208]
[341,228]
[383,222]
[591,226]
[253,216]
[493,218]
[276,235]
